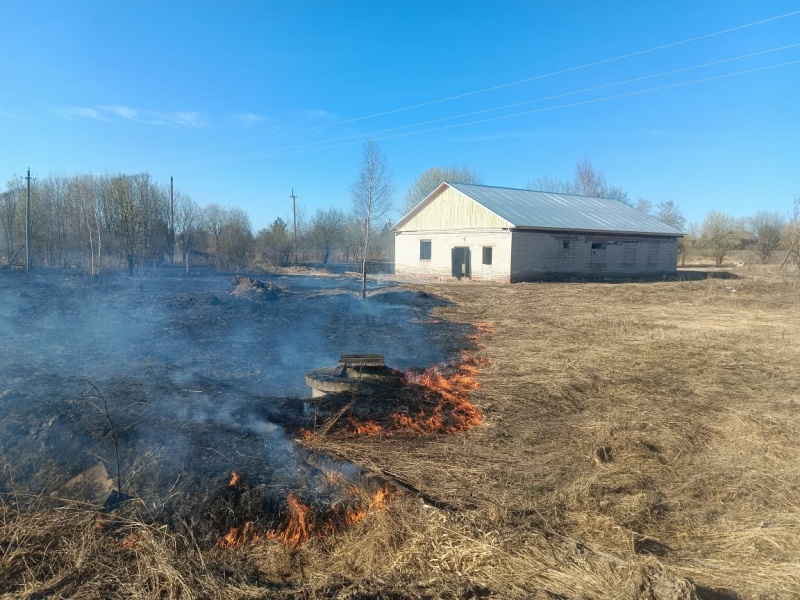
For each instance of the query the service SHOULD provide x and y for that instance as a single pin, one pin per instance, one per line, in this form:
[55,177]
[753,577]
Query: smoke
[198,382]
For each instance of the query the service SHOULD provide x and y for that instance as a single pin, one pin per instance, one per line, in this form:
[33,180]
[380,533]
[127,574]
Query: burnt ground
[198,382]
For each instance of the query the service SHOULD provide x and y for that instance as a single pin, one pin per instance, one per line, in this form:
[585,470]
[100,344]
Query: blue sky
[244,102]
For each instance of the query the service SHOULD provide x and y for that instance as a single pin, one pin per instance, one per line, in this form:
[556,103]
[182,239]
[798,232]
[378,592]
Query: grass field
[641,440]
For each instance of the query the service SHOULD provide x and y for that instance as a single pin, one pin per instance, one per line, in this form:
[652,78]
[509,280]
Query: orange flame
[354,515]
[485,327]
[364,427]
[303,522]
[382,497]
[452,388]
[234,479]
[378,501]
[238,536]
[300,525]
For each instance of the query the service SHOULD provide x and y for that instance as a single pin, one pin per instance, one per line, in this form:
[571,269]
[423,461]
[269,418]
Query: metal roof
[546,210]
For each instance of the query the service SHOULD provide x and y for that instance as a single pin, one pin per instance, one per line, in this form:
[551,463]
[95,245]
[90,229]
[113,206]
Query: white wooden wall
[452,210]
[407,246]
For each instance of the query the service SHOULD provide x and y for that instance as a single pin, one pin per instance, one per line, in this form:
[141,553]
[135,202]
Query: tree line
[117,221]
[130,221]
[716,237]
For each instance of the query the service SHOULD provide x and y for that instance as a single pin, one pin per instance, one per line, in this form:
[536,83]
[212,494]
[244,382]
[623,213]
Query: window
[598,253]
[565,246]
[487,255]
[425,250]
[629,254]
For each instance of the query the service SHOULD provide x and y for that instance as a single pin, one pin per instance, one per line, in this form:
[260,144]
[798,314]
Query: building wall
[452,210]
[542,255]
[407,253]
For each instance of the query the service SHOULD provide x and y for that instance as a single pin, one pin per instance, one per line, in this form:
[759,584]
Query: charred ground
[190,378]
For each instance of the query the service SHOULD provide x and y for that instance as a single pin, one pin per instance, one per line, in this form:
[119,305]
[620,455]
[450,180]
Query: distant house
[505,234]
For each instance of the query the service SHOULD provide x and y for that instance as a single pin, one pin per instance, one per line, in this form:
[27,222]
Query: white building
[505,234]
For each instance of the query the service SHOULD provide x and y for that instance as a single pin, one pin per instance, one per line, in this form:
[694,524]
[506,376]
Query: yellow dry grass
[641,441]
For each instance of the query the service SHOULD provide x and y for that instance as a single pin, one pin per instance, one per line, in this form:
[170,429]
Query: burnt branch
[104,410]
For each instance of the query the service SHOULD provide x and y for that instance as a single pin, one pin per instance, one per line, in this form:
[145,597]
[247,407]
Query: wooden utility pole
[171,223]
[294,222]
[28,224]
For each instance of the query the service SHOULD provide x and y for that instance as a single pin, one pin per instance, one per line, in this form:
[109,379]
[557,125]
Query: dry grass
[641,440]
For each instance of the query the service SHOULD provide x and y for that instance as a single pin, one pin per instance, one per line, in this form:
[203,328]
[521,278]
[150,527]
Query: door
[461,262]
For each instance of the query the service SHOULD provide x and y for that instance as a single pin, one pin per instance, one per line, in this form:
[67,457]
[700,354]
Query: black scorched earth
[162,386]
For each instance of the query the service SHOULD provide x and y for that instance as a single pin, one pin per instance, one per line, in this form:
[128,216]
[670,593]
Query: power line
[280,152]
[361,136]
[496,87]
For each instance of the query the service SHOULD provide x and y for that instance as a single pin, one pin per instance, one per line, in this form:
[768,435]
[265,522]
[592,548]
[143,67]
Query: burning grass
[304,522]
[449,389]
[431,401]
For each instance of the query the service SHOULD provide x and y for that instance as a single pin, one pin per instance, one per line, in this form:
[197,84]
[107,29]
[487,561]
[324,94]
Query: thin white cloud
[249,119]
[119,112]
[123,112]
[81,112]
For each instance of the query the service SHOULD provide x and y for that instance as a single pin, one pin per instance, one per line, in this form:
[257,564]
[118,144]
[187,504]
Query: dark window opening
[425,250]
[487,255]
[598,254]
[565,245]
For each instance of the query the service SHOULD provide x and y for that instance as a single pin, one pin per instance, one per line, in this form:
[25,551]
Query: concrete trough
[355,372]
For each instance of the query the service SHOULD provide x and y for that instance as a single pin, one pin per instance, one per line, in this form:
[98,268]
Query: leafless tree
[791,233]
[327,231]
[86,218]
[689,243]
[9,203]
[767,228]
[50,230]
[236,240]
[669,214]
[188,218]
[432,178]
[371,194]
[548,184]
[135,210]
[587,181]
[230,235]
[719,234]
[213,223]
[351,238]
[643,205]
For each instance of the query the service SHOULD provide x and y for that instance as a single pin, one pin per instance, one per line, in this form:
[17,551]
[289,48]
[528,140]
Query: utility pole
[171,223]
[28,224]
[294,221]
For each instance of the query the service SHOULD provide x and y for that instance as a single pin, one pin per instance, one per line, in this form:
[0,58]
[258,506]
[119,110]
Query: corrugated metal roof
[546,210]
